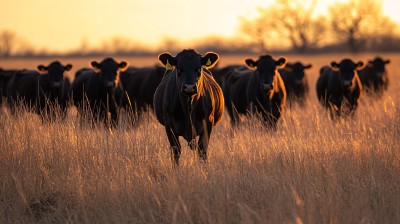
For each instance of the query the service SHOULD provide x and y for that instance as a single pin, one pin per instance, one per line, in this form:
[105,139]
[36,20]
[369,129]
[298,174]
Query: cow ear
[359,65]
[42,68]
[95,64]
[122,64]
[167,60]
[387,61]
[288,67]
[281,62]
[251,63]
[308,66]
[210,60]
[68,67]
[334,64]
[370,64]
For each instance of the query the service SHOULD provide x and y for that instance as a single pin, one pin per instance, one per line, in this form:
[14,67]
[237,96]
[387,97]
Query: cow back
[24,85]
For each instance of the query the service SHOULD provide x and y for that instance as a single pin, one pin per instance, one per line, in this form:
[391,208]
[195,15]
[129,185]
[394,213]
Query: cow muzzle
[109,84]
[189,89]
[56,84]
[266,87]
[347,83]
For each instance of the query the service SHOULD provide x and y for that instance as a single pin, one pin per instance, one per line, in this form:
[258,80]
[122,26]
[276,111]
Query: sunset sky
[62,25]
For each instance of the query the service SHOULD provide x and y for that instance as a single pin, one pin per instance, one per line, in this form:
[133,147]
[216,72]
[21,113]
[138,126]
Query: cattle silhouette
[374,77]
[98,93]
[43,93]
[296,82]
[258,92]
[189,102]
[339,87]
[5,76]
[140,84]
[220,74]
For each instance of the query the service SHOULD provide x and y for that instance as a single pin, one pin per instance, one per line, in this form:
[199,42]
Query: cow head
[378,65]
[56,73]
[109,71]
[297,71]
[266,70]
[347,69]
[188,65]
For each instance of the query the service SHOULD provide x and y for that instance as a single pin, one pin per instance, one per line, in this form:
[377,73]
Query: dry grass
[312,170]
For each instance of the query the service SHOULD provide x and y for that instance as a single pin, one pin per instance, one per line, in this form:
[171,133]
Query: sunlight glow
[64,26]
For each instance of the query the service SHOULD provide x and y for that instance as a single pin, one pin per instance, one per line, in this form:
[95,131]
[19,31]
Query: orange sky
[62,25]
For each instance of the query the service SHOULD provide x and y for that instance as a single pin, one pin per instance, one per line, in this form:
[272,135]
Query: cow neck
[189,101]
[189,105]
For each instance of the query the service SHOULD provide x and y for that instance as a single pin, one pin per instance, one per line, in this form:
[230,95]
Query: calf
[99,91]
[339,83]
[374,76]
[188,102]
[42,93]
[296,82]
[260,91]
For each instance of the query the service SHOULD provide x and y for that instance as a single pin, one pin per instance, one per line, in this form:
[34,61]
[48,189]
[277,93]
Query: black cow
[188,101]
[259,91]
[374,77]
[296,82]
[140,84]
[339,83]
[98,93]
[5,76]
[219,74]
[43,93]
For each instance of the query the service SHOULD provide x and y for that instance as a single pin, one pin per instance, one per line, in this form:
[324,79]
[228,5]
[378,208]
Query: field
[311,170]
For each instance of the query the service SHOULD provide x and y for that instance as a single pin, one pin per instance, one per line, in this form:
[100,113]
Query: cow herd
[188,94]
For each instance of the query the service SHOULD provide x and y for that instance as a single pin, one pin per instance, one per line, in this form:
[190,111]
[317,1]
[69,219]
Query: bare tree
[295,20]
[356,21]
[258,30]
[290,20]
[7,43]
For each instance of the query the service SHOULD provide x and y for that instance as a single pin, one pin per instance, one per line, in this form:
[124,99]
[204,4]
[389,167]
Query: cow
[98,92]
[374,77]
[42,91]
[140,85]
[188,102]
[219,74]
[259,91]
[296,82]
[337,84]
[5,76]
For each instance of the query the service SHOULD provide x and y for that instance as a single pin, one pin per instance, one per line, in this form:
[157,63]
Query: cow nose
[189,88]
[110,84]
[347,83]
[56,84]
[266,87]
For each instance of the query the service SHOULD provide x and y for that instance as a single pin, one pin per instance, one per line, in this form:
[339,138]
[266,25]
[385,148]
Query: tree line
[285,26]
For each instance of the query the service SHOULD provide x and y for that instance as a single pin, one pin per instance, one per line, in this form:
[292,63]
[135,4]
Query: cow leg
[64,108]
[335,108]
[203,140]
[275,114]
[233,114]
[175,145]
[110,112]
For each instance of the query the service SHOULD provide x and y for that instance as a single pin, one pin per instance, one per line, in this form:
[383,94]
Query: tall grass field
[311,170]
